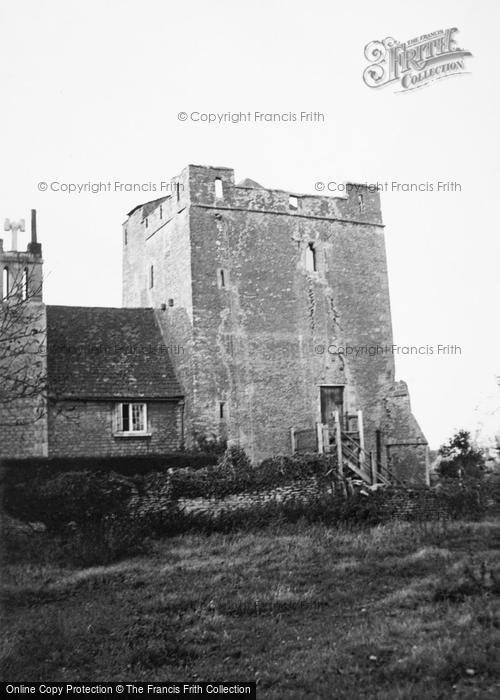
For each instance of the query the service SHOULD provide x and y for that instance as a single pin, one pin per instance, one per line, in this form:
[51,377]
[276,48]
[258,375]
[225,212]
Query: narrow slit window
[222,278]
[222,410]
[177,190]
[151,277]
[219,192]
[311,258]
[24,285]
[293,203]
[161,212]
[5,283]
[146,222]
[361,203]
[125,236]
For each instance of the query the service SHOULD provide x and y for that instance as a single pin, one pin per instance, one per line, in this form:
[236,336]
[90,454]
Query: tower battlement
[215,187]
[22,271]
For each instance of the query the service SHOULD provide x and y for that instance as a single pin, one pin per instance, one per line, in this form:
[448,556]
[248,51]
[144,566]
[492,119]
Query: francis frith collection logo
[414,63]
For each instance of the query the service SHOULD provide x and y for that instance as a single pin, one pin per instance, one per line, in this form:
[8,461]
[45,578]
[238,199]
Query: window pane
[125,420]
[24,289]
[138,416]
[5,283]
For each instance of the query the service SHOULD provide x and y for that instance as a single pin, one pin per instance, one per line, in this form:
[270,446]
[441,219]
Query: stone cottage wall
[85,429]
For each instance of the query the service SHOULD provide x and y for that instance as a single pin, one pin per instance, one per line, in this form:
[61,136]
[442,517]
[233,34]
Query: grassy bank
[398,611]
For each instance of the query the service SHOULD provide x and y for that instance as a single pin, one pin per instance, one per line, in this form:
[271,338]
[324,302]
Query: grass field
[397,611]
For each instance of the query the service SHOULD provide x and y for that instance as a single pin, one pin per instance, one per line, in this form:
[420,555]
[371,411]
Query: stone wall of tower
[406,449]
[156,241]
[261,331]
[268,338]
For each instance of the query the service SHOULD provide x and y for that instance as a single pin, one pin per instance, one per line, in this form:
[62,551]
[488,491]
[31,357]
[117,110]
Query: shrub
[236,459]
[81,544]
[282,469]
[460,459]
[104,541]
[153,505]
[234,474]
[363,508]
[211,445]
[467,499]
[79,497]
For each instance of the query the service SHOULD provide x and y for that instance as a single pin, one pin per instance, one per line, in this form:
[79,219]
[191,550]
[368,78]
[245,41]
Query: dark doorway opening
[332,399]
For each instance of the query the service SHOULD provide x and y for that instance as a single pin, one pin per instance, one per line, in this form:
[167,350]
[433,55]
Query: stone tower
[280,303]
[23,407]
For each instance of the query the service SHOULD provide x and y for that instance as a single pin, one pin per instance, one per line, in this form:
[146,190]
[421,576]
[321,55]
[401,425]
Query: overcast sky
[91,92]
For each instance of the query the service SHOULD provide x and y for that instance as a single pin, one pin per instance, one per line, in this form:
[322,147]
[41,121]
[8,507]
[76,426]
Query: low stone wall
[414,504]
[419,504]
[303,491]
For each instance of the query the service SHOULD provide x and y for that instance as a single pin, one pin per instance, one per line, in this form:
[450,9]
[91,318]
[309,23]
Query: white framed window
[132,419]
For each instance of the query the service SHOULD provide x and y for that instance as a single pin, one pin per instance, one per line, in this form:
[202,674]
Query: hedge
[17,470]
[78,497]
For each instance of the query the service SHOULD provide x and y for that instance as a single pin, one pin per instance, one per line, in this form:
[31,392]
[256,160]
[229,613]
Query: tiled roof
[95,352]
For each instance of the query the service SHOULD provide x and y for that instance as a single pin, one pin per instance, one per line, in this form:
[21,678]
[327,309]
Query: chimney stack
[34,248]
[33,225]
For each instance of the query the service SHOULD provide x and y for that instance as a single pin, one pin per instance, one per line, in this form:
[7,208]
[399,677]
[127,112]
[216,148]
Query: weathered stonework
[407,449]
[259,328]
[23,414]
[85,429]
